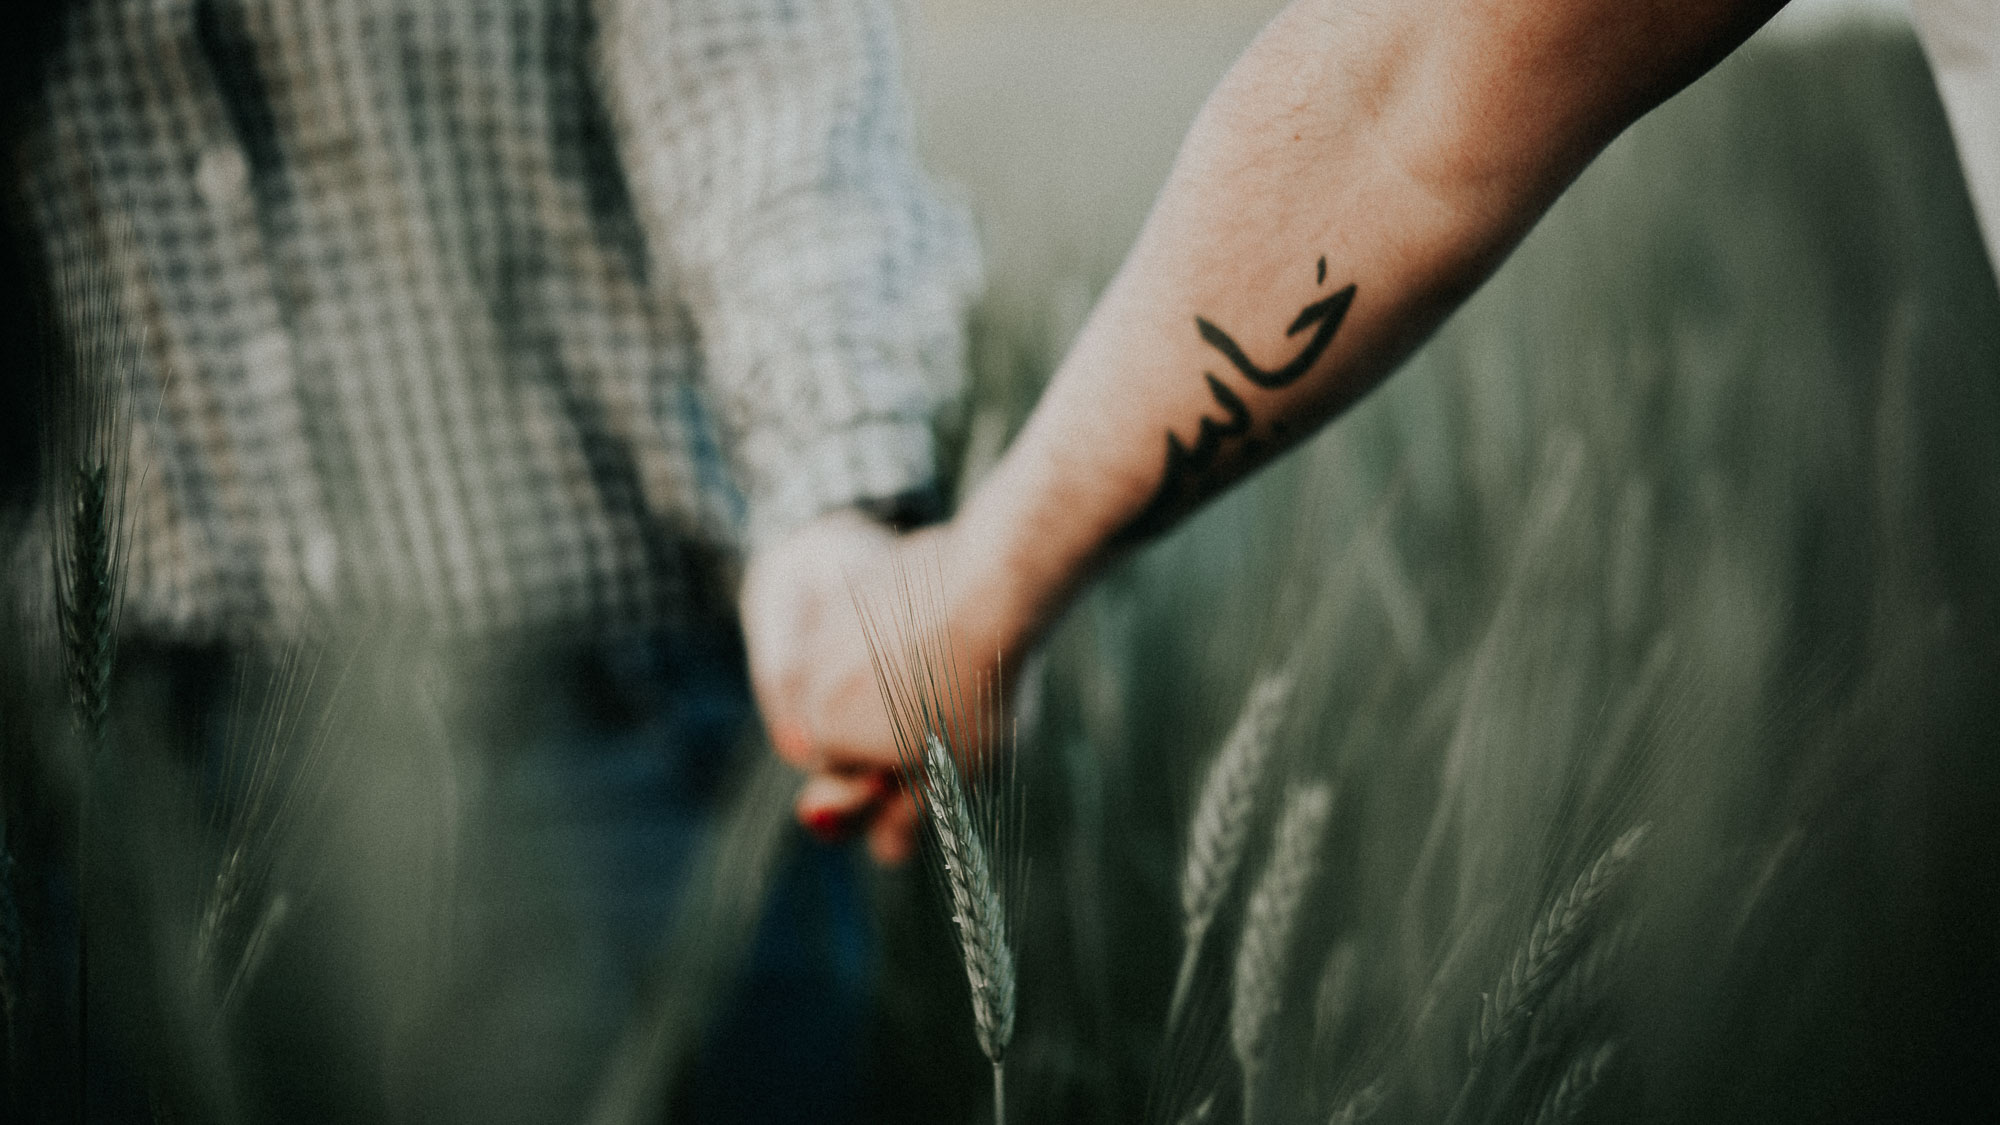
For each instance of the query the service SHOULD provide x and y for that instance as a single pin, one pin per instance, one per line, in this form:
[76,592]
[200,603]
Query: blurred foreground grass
[1690,518]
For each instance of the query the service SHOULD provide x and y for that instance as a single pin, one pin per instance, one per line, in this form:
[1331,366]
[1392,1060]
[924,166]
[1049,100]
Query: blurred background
[1690,520]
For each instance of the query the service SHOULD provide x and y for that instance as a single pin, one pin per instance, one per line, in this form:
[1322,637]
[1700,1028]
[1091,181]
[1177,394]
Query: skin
[1373,160]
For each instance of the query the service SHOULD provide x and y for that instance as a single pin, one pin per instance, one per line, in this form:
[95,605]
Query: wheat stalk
[1222,819]
[84,450]
[1188,1073]
[1268,923]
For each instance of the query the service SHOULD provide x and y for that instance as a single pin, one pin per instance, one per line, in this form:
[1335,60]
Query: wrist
[1025,541]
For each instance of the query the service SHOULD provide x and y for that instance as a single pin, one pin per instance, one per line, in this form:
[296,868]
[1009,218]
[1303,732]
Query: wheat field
[1601,722]
[1682,538]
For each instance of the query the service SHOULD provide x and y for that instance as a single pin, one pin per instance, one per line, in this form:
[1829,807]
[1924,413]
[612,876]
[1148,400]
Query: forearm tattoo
[1194,472]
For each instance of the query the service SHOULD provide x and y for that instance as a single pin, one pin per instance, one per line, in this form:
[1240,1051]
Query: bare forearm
[1357,174]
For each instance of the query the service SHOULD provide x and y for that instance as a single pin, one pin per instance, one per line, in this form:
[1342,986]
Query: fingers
[793,743]
[815,679]
[832,805]
[850,732]
[893,836]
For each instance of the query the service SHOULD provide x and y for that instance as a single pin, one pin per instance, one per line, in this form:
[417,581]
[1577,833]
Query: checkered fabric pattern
[499,314]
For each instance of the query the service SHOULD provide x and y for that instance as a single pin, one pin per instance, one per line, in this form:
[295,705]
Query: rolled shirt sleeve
[768,147]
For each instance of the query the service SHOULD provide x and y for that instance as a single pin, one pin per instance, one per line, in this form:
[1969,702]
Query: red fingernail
[825,825]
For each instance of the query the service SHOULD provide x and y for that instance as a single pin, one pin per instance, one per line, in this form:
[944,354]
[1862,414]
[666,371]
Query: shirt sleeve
[769,151]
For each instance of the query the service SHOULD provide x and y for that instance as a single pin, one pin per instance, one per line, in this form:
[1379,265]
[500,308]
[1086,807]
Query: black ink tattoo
[1191,471]
[1208,439]
[1189,467]
[1327,314]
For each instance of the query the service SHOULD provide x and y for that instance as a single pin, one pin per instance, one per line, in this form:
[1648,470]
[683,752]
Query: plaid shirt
[499,313]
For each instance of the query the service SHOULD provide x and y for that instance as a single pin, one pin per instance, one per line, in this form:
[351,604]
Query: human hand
[814,675]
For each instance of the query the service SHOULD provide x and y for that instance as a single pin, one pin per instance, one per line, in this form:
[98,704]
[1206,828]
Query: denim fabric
[596,821]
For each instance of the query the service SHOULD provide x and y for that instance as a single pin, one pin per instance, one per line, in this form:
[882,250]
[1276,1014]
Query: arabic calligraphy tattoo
[1192,471]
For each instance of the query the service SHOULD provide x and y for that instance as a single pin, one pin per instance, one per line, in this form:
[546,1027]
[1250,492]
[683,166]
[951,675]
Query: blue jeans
[593,827]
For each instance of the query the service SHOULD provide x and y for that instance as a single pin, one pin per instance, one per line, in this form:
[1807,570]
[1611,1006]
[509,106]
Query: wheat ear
[87,599]
[1552,945]
[1551,952]
[1581,989]
[85,449]
[975,898]
[968,793]
[1221,824]
[1268,924]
